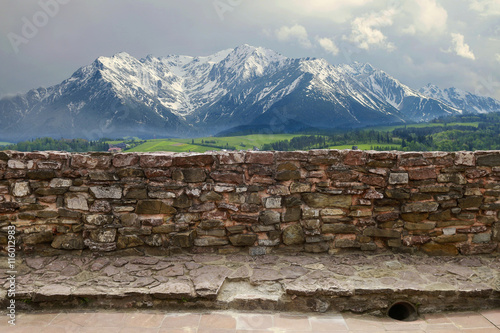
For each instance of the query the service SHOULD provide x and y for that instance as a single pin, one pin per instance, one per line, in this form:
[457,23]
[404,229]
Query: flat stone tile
[72,320]
[289,322]
[181,321]
[445,327]
[99,330]
[107,320]
[469,320]
[436,318]
[356,323]
[178,330]
[141,330]
[481,330]
[254,321]
[34,319]
[217,321]
[492,315]
[405,325]
[328,323]
[144,320]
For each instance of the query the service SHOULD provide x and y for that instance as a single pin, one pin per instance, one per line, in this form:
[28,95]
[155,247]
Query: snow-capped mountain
[414,106]
[462,100]
[189,96]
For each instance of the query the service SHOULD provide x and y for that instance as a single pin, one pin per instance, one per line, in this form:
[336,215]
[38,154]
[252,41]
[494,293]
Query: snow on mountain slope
[412,104]
[462,100]
[186,96]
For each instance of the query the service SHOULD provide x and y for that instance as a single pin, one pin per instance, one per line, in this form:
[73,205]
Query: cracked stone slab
[52,292]
[261,274]
[316,283]
[174,289]
[241,273]
[173,270]
[207,280]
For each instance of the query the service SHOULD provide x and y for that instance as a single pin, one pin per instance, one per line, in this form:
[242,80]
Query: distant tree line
[69,145]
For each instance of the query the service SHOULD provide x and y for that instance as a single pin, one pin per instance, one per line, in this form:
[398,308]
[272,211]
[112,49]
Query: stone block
[320,200]
[211,196]
[128,241]
[152,207]
[255,157]
[68,242]
[470,202]
[268,217]
[210,241]
[419,226]
[41,174]
[293,235]
[381,233]
[451,238]
[420,207]
[347,243]
[60,183]
[76,201]
[398,178]
[196,160]
[292,214]
[422,173]
[125,160]
[38,238]
[227,177]
[397,193]
[339,228]
[288,175]
[21,189]
[488,160]
[157,160]
[130,173]
[182,201]
[465,158]
[163,229]
[455,178]
[272,202]
[434,249]
[184,239]
[243,239]
[481,238]
[103,235]
[106,192]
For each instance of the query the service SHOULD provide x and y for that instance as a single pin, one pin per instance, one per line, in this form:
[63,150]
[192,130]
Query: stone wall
[255,202]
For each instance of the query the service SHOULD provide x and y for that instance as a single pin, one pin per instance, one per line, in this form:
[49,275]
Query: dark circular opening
[403,311]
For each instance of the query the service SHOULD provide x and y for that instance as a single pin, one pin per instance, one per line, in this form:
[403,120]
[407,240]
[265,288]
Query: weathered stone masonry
[257,202]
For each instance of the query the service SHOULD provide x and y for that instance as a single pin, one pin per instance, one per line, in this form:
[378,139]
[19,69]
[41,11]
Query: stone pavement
[309,283]
[232,322]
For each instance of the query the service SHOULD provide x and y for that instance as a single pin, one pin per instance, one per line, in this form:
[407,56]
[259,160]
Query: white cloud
[336,11]
[460,47]
[294,33]
[497,57]
[485,7]
[328,45]
[365,32]
[427,16]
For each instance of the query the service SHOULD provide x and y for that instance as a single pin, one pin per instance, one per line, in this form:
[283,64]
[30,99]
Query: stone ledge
[352,282]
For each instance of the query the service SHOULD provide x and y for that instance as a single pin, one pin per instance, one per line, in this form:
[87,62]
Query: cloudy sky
[446,42]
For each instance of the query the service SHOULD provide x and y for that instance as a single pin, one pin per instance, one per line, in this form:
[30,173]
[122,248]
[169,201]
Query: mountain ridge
[246,86]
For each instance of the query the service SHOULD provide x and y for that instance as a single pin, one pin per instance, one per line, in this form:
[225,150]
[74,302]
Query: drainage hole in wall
[403,311]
